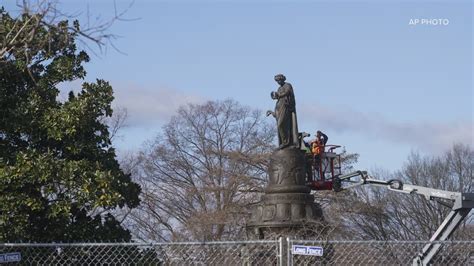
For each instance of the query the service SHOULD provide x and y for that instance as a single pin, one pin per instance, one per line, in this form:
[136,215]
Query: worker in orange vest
[317,148]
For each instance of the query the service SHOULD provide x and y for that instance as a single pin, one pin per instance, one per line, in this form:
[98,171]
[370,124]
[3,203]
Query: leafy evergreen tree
[59,177]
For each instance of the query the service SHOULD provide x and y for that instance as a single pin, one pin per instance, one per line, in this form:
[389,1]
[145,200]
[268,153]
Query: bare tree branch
[200,176]
[386,215]
[45,14]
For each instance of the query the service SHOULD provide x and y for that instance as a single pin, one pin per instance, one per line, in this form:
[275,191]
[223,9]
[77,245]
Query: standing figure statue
[285,113]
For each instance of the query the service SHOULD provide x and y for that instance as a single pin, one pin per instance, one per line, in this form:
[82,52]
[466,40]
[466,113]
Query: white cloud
[151,105]
[145,105]
[428,136]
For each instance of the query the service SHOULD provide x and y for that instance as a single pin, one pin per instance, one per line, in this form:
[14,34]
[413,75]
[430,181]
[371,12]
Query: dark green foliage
[59,178]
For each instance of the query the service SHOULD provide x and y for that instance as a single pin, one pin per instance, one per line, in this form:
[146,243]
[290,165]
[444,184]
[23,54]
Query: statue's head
[280,79]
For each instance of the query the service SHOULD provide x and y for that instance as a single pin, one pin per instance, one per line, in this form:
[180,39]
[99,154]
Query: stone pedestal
[287,205]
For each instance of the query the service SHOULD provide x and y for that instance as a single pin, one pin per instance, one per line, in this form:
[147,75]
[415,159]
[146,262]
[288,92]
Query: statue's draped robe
[285,112]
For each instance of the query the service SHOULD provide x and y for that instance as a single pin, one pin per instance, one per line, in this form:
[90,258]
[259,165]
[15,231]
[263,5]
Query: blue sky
[361,73]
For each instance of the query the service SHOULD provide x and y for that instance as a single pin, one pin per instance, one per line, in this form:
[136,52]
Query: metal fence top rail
[240,242]
[138,243]
[381,241]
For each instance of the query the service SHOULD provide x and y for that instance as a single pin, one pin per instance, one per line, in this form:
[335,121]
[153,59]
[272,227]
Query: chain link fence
[376,252]
[267,252]
[183,253]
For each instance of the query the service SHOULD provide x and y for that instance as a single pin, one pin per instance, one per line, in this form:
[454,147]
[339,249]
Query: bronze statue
[287,207]
[285,113]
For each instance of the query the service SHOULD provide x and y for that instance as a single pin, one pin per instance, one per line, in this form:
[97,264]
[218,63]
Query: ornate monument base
[287,208]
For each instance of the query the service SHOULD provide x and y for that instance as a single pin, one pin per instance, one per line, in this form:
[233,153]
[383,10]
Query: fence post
[280,251]
[283,252]
[288,252]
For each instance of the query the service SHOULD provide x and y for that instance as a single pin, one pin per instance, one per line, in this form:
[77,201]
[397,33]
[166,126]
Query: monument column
[287,207]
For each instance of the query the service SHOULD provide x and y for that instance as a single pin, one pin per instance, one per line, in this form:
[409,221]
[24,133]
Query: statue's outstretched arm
[269,112]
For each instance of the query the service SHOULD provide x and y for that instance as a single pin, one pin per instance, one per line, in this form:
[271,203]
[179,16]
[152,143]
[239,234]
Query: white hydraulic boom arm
[459,203]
